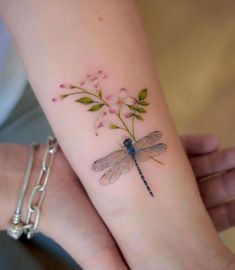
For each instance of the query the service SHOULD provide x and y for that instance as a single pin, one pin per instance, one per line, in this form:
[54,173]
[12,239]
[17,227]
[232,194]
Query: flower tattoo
[117,112]
[122,106]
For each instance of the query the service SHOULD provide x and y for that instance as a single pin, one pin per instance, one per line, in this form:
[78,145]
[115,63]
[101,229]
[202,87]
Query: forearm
[13,160]
[80,44]
[62,43]
[87,239]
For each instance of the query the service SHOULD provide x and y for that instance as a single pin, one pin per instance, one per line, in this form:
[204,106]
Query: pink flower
[98,124]
[94,80]
[128,114]
[67,86]
[120,103]
[96,85]
[103,112]
[91,80]
[101,121]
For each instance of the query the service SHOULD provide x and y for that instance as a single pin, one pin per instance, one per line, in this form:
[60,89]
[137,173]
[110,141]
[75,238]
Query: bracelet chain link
[29,227]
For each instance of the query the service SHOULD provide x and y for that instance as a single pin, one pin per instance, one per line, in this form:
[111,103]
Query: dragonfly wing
[148,140]
[150,152]
[108,161]
[121,167]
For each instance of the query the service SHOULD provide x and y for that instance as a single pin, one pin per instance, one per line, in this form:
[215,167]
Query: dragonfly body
[121,161]
[130,147]
[132,152]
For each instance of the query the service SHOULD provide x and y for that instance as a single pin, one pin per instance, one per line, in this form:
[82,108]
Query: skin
[89,242]
[63,41]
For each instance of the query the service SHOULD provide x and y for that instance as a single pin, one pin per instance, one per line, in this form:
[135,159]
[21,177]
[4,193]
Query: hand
[215,172]
[67,215]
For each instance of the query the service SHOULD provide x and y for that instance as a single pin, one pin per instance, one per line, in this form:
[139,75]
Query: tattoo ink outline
[124,107]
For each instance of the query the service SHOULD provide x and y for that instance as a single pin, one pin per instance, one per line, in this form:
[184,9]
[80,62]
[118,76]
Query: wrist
[13,162]
[167,257]
[173,252]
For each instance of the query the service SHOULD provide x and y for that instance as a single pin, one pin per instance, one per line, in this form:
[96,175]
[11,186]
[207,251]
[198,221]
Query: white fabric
[12,75]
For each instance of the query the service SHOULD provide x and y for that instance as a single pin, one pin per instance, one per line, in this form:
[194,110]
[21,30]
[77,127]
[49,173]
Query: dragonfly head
[127,142]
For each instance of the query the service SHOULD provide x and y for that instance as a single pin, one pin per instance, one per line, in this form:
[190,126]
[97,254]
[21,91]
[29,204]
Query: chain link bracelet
[29,227]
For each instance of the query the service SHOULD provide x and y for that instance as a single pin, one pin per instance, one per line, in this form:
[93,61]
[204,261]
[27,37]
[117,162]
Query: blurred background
[193,45]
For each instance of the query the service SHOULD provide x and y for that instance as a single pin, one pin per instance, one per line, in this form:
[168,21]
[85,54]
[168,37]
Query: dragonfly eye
[127,142]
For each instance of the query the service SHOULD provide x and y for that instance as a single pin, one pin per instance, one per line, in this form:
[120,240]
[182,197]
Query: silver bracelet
[17,227]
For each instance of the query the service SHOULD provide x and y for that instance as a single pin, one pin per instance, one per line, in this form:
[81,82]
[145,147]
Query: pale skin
[95,248]
[63,41]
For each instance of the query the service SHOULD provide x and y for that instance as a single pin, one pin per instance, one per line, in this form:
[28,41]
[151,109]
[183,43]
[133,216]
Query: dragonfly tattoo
[120,111]
[121,161]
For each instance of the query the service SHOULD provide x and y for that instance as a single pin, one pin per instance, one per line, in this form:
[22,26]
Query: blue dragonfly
[121,161]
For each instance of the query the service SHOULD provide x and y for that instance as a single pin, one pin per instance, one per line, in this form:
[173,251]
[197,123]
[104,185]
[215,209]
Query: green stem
[94,95]
[67,95]
[122,128]
[133,128]
[126,127]
[117,114]
[87,92]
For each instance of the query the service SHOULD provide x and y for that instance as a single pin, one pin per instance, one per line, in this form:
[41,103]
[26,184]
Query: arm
[87,239]
[94,247]
[63,42]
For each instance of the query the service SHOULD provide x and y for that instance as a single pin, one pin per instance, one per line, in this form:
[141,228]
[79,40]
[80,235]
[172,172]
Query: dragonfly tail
[143,178]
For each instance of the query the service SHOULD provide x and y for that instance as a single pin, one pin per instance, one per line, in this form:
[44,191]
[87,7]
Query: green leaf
[96,107]
[132,107]
[138,116]
[141,110]
[112,126]
[142,94]
[85,100]
[143,103]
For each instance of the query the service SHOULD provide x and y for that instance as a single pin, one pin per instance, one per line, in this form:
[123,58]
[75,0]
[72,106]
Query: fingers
[198,144]
[218,190]
[214,162]
[223,216]
[218,195]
